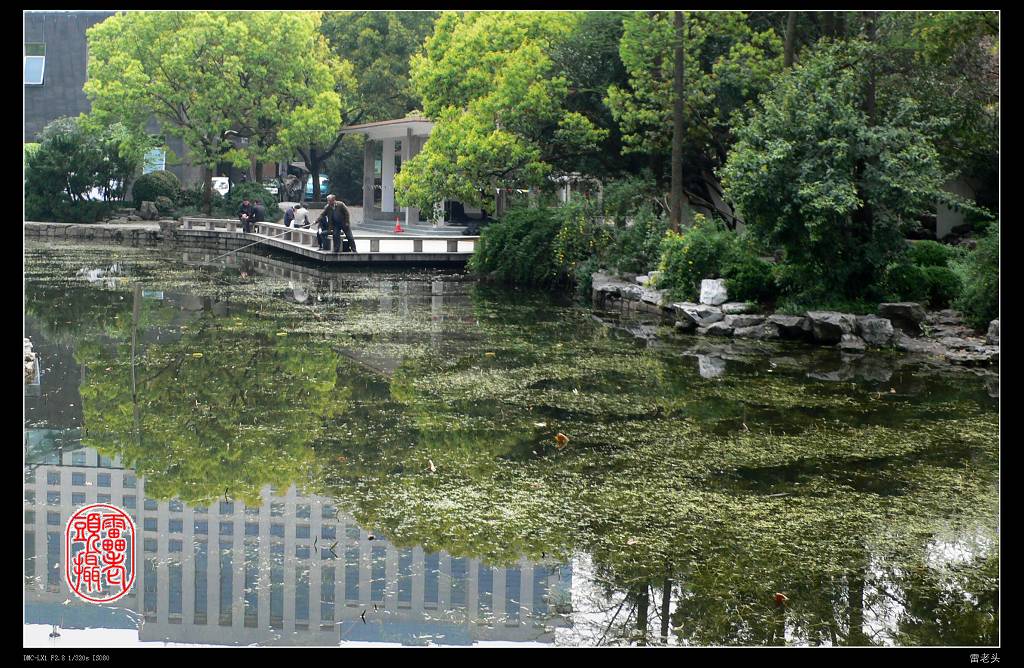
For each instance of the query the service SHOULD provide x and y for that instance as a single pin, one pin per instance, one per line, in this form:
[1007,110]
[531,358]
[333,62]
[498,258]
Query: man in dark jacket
[246,212]
[259,211]
[337,216]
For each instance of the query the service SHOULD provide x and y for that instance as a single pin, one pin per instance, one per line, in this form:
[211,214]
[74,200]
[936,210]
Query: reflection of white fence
[305,238]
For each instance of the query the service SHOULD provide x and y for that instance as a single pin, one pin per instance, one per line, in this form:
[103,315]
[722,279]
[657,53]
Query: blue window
[175,526]
[103,479]
[149,544]
[252,529]
[328,512]
[35,63]
[128,500]
[78,498]
[53,498]
[277,530]
[77,479]
[53,519]
[302,511]
[175,506]
[102,498]
[302,551]
[174,545]
[201,526]
[227,507]
[150,504]
[302,531]
[330,532]
[129,481]
[78,458]
[53,477]
[227,528]
[149,524]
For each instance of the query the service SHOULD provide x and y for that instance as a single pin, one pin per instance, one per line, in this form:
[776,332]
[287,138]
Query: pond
[371,457]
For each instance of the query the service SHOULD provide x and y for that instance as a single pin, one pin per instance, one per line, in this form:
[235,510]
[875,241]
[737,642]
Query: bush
[748,277]
[627,197]
[518,248]
[84,212]
[637,247]
[164,205]
[904,281]
[148,187]
[192,198]
[943,286]
[249,190]
[929,253]
[979,271]
[579,238]
[697,253]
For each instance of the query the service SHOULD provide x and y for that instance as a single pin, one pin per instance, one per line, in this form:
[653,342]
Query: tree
[728,63]
[208,76]
[815,174]
[488,81]
[678,74]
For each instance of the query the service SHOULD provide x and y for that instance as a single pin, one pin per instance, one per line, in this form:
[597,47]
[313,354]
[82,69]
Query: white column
[387,176]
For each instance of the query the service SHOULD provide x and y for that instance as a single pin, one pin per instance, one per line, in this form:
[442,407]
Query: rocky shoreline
[904,326]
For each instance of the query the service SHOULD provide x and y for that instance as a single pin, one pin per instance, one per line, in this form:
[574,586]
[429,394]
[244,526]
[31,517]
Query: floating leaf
[197,354]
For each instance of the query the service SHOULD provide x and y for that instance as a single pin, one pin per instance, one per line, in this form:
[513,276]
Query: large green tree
[489,82]
[727,63]
[831,176]
[208,76]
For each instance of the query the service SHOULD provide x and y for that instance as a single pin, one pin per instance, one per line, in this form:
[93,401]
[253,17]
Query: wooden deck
[393,248]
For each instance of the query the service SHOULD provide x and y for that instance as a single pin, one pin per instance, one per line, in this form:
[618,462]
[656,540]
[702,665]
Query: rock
[904,315]
[718,329]
[685,325]
[992,338]
[852,343]
[713,292]
[763,331]
[148,211]
[710,367]
[874,330]
[735,308]
[909,344]
[790,326]
[743,320]
[978,356]
[702,315]
[641,280]
[651,296]
[830,326]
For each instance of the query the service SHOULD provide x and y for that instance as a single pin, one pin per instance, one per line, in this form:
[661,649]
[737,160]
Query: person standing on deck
[336,214]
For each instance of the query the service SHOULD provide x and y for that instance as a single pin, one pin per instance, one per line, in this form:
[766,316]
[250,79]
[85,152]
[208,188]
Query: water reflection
[701,477]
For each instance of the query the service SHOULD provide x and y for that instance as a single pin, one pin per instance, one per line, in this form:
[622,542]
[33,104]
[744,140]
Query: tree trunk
[666,599]
[314,172]
[676,216]
[643,601]
[828,20]
[207,189]
[790,47]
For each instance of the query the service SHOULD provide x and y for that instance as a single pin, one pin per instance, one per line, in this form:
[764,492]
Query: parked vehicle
[325,186]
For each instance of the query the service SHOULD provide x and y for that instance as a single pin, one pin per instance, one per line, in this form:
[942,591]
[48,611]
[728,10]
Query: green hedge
[148,187]
[979,271]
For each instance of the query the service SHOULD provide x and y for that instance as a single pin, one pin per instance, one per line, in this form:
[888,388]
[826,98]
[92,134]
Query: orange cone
[398,226]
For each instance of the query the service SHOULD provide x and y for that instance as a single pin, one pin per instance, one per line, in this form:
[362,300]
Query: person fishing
[336,215]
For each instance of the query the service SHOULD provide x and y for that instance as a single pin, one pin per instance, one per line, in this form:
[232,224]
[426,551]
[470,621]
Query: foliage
[249,190]
[73,157]
[748,276]
[488,81]
[519,248]
[944,286]
[344,169]
[637,247]
[208,76]
[192,197]
[979,271]
[379,44]
[928,253]
[160,183]
[903,281]
[727,64]
[580,238]
[815,175]
[624,197]
[696,253]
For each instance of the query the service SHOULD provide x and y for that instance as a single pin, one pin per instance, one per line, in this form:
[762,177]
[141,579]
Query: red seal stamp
[99,553]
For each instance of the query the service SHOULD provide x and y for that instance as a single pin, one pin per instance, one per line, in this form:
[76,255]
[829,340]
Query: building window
[53,477]
[175,526]
[78,498]
[227,528]
[78,458]
[35,63]
[78,479]
[154,161]
[201,526]
[103,479]
[174,545]
[53,519]
[252,529]
[227,507]
[149,524]
[175,506]
[302,531]
[129,481]
[150,504]
[129,501]
[102,498]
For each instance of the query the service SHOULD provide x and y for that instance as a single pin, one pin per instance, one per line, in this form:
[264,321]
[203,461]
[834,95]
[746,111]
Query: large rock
[790,326]
[874,330]
[743,320]
[830,326]
[148,211]
[763,331]
[718,329]
[701,314]
[713,292]
[992,338]
[710,367]
[906,316]
[852,343]
[685,325]
[735,308]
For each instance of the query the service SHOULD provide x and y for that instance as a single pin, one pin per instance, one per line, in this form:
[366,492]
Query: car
[325,188]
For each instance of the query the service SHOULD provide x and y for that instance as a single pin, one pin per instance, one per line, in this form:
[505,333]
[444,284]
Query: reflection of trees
[693,511]
[226,408]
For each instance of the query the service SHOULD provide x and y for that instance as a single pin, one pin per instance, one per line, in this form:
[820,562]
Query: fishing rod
[286,231]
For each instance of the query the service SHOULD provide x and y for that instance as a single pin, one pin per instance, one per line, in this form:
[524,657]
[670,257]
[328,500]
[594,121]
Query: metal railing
[306,237]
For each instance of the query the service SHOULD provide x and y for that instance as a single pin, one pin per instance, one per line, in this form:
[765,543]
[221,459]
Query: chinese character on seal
[99,553]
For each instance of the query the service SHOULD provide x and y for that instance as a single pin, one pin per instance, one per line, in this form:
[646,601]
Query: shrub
[927,253]
[249,190]
[87,211]
[748,277]
[637,247]
[943,286]
[904,281]
[579,238]
[979,299]
[192,197]
[155,184]
[697,253]
[518,248]
[626,197]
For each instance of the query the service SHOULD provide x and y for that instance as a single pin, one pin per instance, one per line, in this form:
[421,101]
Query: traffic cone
[398,226]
